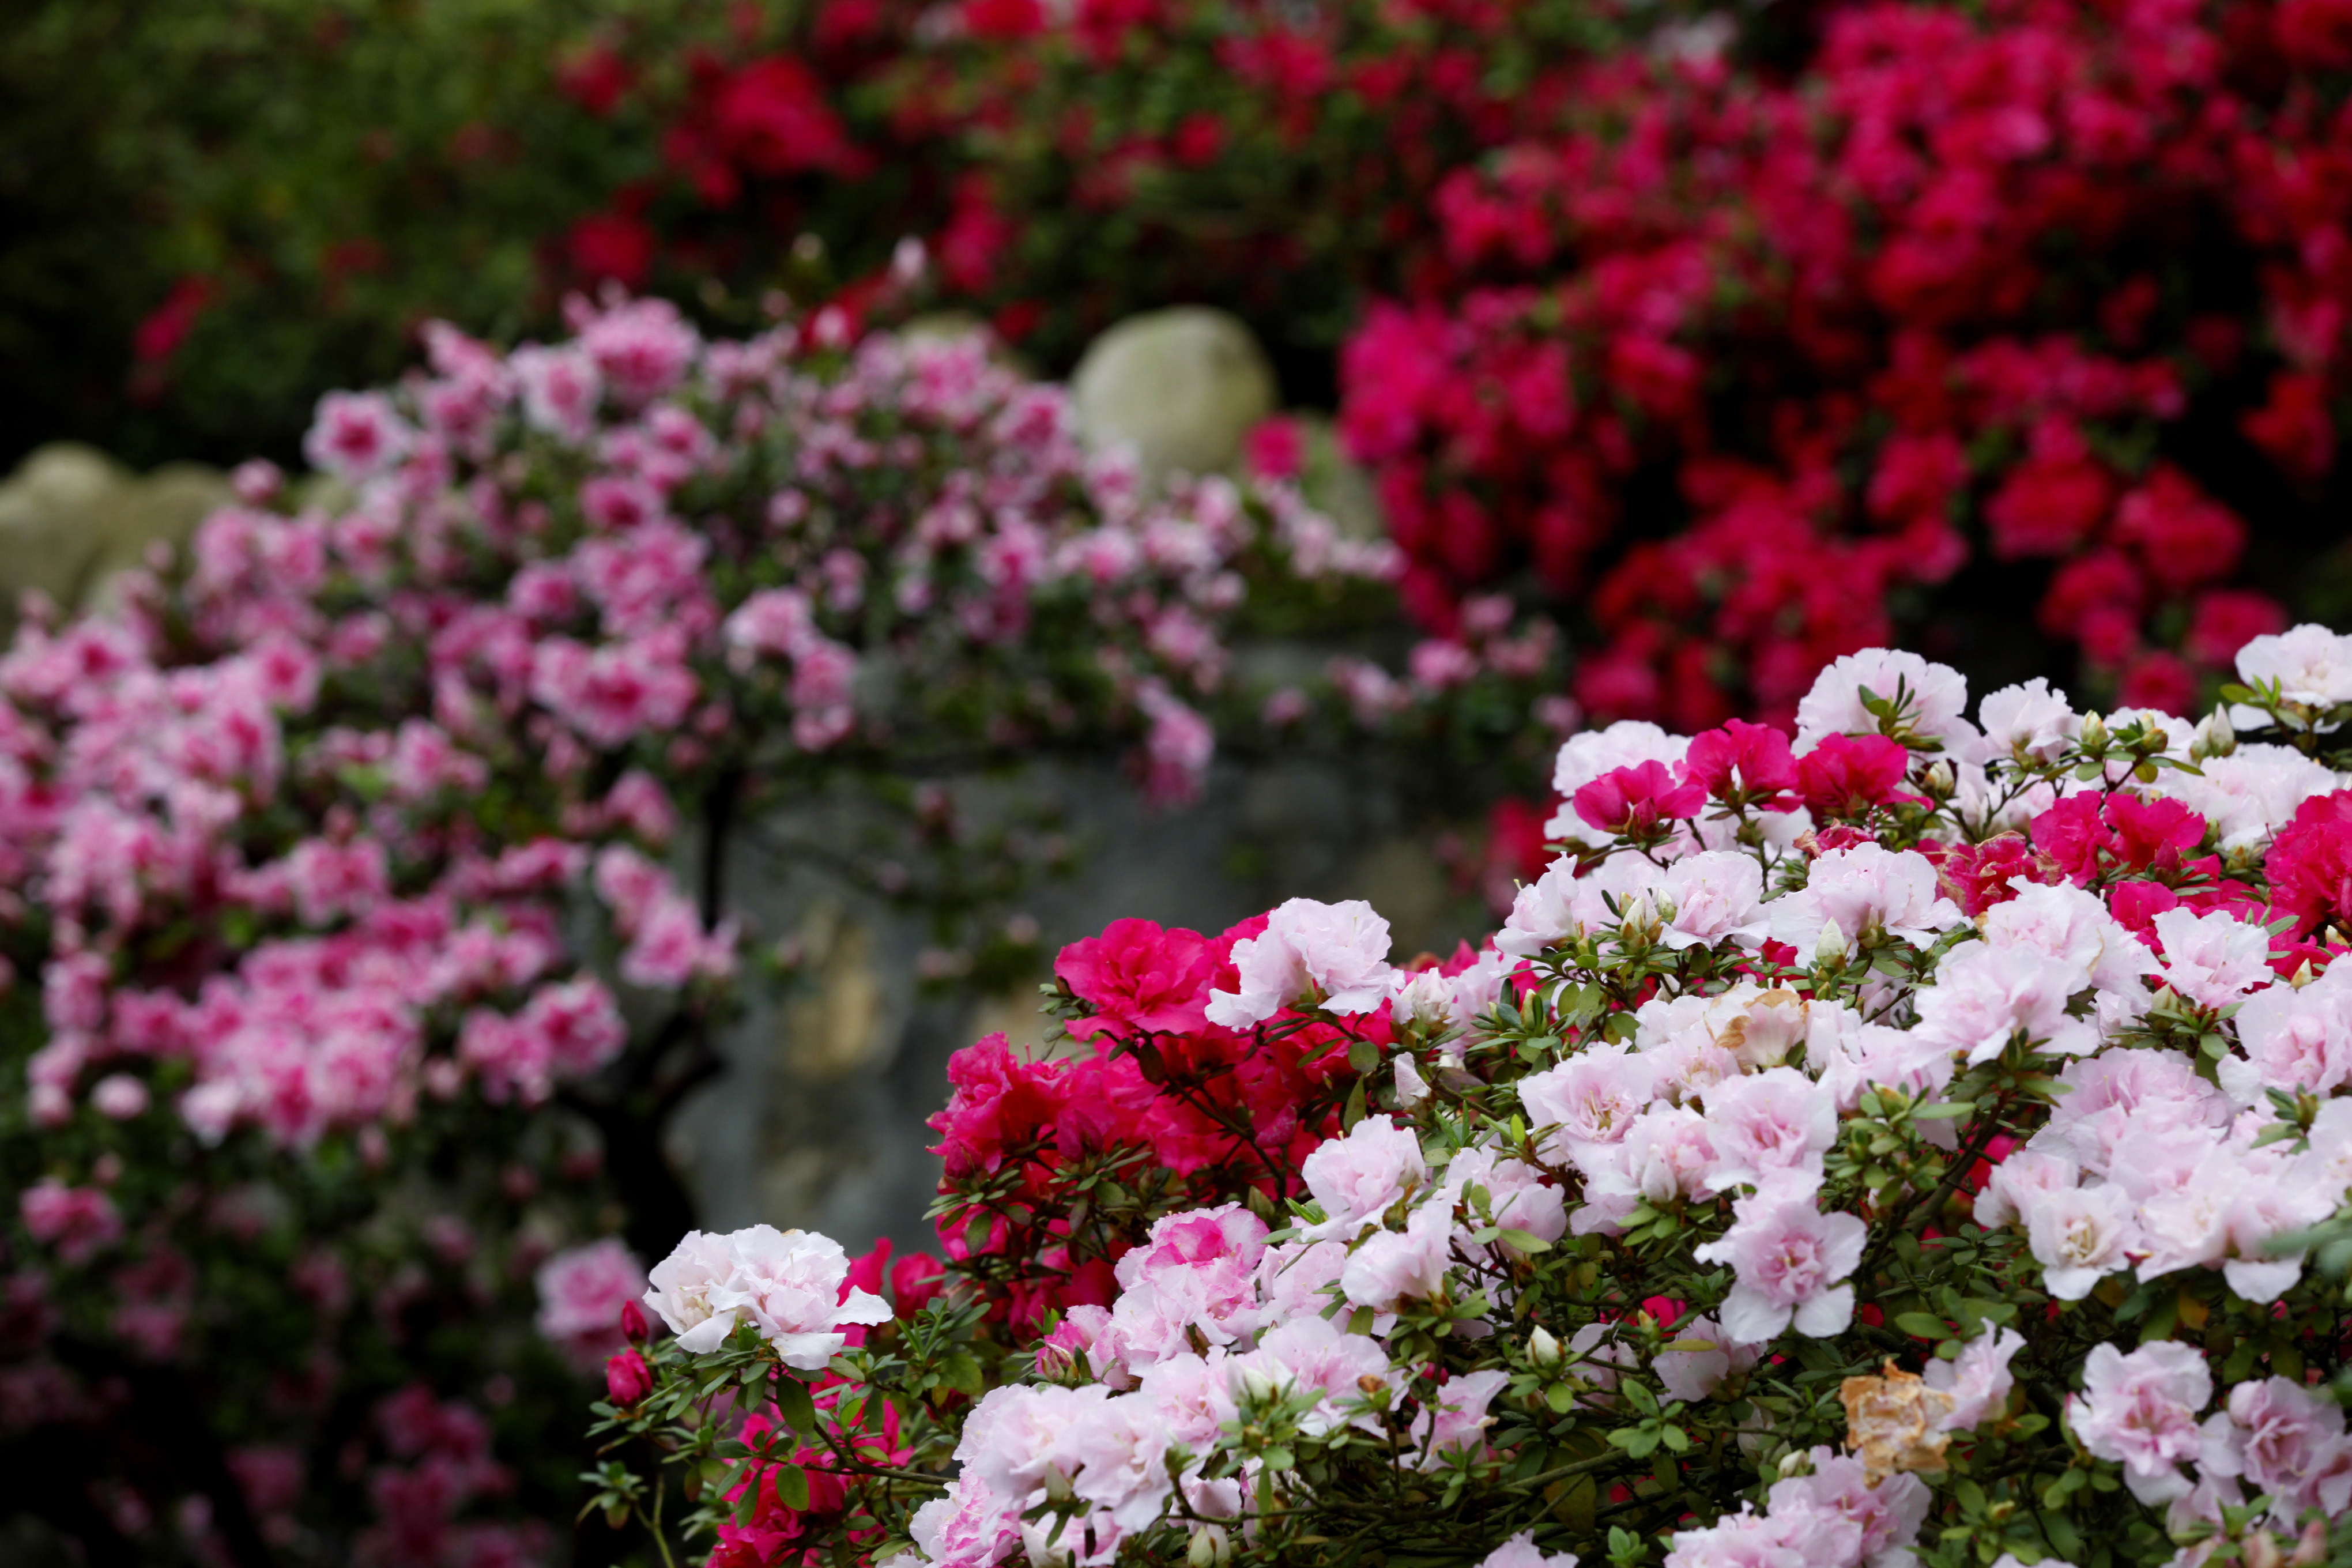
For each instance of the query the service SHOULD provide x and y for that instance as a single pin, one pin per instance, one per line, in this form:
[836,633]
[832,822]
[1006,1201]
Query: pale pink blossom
[2141,1412]
[1986,997]
[685,1284]
[1521,1552]
[789,1286]
[1560,904]
[2212,959]
[561,387]
[580,1294]
[120,1097]
[1389,1268]
[1012,1436]
[1457,1420]
[1336,953]
[2027,721]
[2247,796]
[1592,1098]
[2310,664]
[1711,897]
[1519,1198]
[1112,1452]
[1769,1129]
[2115,1093]
[1866,893]
[2071,925]
[1193,1395]
[1311,1352]
[2285,1440]
[2017,1183]
[1932,699]
[1294,1279]
[1355,1177]
[2079,1236]
[2293,1039]
[968,1526]
[1707,1358]
[1788,1263]
[357,436]
[1978,1381]
[1667,1155]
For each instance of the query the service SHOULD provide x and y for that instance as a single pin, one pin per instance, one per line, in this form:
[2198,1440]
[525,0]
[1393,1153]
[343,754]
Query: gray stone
[1180,386]
[131,521]
[47,543]
[71,519]
[1333,480]
[818,1120]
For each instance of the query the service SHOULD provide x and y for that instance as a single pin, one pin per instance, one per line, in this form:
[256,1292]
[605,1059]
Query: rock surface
[818,1120]
[1180,387]
[71,518]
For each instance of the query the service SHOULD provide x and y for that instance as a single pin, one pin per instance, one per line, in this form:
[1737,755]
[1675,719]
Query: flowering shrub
[352,969]
[1899,1140]
[1762,369]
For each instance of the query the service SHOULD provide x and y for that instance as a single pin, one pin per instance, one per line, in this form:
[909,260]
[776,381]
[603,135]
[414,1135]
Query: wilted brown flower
[1891,1422]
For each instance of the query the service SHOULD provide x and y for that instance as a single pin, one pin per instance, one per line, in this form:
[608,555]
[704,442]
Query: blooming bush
[1993,326]
[365,919]
[1904,1139]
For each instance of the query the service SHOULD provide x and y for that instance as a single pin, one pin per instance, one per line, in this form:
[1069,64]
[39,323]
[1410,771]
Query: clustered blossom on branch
[344,928]
[1901,1140]
[1949,291]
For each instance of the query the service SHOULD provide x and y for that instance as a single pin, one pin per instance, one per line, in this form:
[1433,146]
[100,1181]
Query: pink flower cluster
[524,580]
[1705,1048]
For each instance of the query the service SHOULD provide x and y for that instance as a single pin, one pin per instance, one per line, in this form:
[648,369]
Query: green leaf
[799,1410]
[1355,1108]
[1526,1241]
[2062,1534]
[1946,1111]
[1920,1325]
[792,1487]
[962,1373]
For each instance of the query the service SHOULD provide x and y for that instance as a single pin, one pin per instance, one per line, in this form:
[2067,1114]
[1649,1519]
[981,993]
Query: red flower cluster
[1951,290]
[1057,1166]
[2310,863]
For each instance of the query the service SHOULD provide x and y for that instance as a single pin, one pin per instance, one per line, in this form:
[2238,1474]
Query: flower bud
[2216,736]
[633,1323]
[2261,1549]
[1259,1385]
[2093,736]
[1208,1547]
[1543,1348]
[1057,1486]
[1412,1089]
[1939,781]
[1829,952]
[627,1378]
[1796,1462]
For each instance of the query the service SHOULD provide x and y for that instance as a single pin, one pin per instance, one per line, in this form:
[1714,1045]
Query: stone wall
[71,517]
[818,1119]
